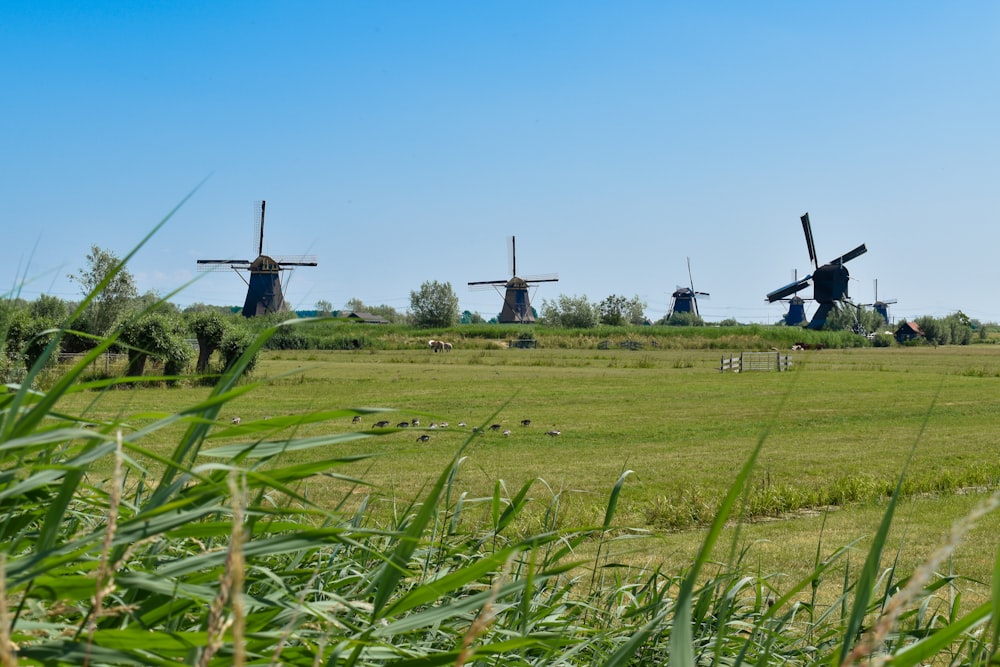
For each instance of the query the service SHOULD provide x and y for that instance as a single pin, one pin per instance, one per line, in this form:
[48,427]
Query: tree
[52,309]
[160,336]
[571,312]
[435,305]
[616,310]
[209,328]
[324,308]
[112,288]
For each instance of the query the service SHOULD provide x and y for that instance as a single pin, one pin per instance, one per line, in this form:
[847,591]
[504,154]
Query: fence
[756,361]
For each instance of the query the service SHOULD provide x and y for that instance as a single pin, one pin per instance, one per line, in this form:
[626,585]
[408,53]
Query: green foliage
[684,320]
[570,312]
[434,305]
[110,287]
[235,345]
[159,336]
[209,328]
[616,310]
[955,329]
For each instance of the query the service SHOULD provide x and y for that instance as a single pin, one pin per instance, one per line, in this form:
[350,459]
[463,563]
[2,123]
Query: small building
[367,318]
[908,331]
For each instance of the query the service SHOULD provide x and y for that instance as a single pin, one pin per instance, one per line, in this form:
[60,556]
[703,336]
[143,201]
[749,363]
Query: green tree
[159,336]
[52,309]
[434,305]
[113,289]
[617,310]
[234,343]
[571,312]
[611,310]
[209,328]
[324,308]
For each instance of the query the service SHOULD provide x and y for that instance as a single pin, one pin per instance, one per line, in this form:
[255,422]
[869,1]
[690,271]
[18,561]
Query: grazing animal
[381,424]
[356,420]
[236,420]
[402,424]
[443,424]
[461,423]
[423,438]
[553,433]
[494,427]
[433,425]
[445,347]
[525,422]
[414,422]
[506,433]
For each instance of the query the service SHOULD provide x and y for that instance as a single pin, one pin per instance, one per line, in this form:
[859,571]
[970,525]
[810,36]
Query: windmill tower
[685,299]
[515,291]
[264,293]
[829,280]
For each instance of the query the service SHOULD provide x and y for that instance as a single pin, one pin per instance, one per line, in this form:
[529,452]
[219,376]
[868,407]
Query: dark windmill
[829,280]
[516,297]
[796,314]
[264,293]
[881,307]
[685,299]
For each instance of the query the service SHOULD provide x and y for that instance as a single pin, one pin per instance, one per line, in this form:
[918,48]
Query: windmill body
[796,315]
[685,299]
[829,280]
[515,291]
[264,293]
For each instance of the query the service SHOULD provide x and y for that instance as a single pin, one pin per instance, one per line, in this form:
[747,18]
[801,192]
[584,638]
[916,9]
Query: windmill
[516,299]
[685,299]
[881,307]
[796,315]
[829,280]
[264,287]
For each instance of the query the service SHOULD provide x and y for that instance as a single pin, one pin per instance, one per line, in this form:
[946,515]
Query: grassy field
[839,430]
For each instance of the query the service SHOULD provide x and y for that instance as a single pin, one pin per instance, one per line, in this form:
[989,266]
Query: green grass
[848,421]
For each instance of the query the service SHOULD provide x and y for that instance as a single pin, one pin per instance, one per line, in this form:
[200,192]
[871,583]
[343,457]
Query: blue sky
[403,142]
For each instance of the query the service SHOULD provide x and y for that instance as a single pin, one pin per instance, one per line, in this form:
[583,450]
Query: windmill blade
[223,264]
[541,278]
[297,260]
[479,283]
[511,257]
[857,252]
[788,289]
[807,229]
[258,226]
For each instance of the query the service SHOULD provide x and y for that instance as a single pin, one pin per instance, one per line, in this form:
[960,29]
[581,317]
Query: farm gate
[756,361]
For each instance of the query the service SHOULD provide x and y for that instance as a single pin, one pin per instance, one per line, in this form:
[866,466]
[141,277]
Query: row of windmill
[829,281]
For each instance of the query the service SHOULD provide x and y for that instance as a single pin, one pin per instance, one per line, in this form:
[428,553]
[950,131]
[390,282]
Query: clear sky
[403,142]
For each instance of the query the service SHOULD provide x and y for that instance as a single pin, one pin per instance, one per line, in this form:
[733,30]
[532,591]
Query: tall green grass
[217,554]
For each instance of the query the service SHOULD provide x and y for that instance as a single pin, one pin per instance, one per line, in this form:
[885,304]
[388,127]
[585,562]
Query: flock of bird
[385,423]
[424,437]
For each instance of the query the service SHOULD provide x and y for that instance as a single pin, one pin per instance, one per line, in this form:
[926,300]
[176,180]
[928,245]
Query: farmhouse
[367,318]
[908,331]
